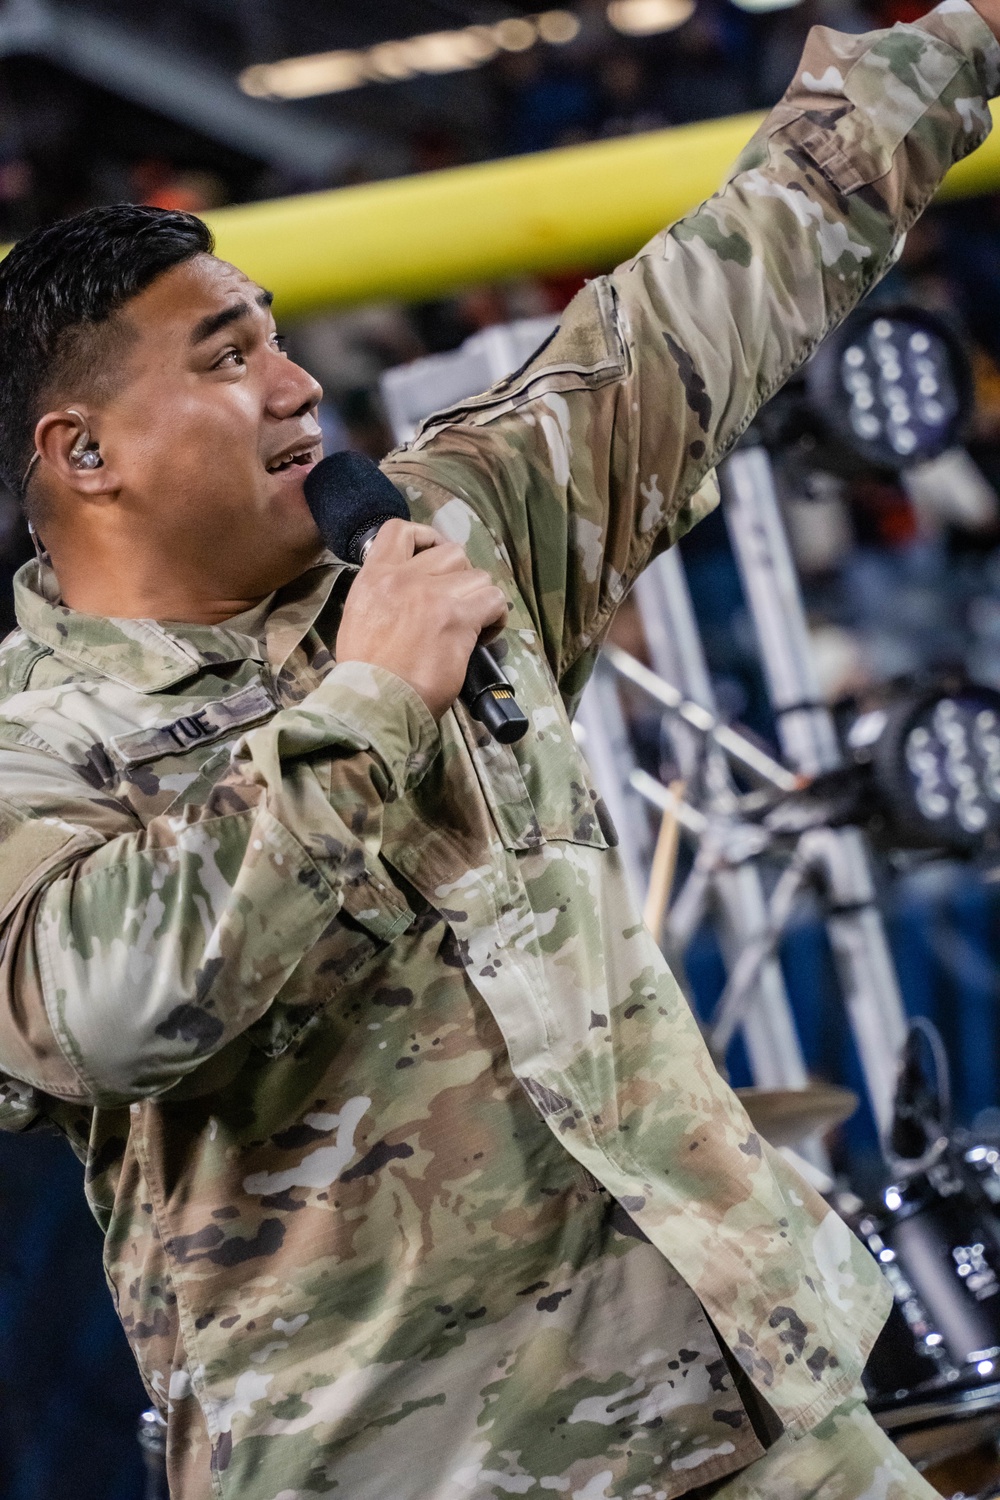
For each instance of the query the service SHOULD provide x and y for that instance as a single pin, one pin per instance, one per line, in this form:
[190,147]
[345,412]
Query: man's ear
[69,449]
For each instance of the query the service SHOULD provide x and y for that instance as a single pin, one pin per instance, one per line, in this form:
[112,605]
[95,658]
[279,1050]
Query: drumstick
[661,876]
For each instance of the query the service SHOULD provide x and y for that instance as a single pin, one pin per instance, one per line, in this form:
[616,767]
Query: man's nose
[293,391]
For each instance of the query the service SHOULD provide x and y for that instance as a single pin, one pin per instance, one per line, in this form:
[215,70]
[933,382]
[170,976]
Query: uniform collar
[148,656]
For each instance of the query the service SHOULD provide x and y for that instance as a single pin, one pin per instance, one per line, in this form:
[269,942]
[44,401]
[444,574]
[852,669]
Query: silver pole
[675,647]
[809,740]
[603,733]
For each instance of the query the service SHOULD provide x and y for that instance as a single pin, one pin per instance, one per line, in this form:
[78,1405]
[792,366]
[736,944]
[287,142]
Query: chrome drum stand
[726,877]
[808,738]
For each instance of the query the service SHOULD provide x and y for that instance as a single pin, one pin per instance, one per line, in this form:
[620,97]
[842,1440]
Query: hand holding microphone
[417,607]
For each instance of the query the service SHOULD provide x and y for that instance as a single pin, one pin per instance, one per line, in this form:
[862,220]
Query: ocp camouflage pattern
[416,1179]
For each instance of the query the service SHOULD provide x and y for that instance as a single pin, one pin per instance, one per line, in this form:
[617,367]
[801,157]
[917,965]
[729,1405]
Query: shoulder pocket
[31,849]
[853,136]
[825,149]
[585,351]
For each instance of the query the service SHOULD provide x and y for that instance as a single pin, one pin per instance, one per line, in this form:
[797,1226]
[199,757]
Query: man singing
[416,1179]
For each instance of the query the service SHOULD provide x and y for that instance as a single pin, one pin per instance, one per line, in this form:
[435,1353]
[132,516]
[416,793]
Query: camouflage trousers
[847,1457]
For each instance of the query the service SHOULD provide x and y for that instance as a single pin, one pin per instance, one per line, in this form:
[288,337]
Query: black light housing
[934,760]
[891,387]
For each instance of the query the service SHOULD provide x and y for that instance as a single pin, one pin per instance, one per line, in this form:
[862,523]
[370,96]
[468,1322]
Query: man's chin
[284,568]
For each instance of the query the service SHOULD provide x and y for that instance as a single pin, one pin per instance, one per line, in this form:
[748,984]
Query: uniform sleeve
[131,954]
[604,447]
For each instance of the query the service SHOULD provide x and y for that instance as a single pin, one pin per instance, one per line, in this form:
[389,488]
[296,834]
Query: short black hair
[60,288]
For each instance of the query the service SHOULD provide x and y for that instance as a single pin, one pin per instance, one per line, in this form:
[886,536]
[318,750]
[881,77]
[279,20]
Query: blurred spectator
[365,423]
[544,101]
[624,97]
[707,65]
[432,148]
[162,185]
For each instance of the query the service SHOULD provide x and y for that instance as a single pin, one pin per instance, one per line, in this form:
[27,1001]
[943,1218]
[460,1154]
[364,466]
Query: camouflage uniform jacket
[416,1179]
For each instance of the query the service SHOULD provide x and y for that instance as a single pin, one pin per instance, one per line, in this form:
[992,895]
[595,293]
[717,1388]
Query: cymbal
[784,1116]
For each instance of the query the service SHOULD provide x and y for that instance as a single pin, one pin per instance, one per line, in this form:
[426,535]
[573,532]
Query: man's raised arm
[606,442]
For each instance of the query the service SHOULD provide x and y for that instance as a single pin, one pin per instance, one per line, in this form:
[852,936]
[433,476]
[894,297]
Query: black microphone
[350,498]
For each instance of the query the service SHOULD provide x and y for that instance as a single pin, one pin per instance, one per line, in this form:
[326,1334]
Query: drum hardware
[971,1473]
[920,1132]
[933,1379]
[983,1165]
[786,1117]
[152,1439]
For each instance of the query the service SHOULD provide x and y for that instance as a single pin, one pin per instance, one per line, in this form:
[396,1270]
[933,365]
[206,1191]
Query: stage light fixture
[647,17]
[934,759]
[891,387]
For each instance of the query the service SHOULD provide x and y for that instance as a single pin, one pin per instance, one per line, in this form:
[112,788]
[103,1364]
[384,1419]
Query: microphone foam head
[349,495]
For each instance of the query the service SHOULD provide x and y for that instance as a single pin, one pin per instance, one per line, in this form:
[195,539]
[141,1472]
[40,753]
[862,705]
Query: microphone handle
[489,698]
[486,692]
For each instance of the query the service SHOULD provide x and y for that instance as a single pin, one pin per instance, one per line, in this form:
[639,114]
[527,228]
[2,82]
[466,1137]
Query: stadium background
[106,101]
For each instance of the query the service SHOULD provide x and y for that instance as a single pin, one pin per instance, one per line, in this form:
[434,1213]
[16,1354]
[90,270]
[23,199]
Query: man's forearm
[813,213]
[582,475]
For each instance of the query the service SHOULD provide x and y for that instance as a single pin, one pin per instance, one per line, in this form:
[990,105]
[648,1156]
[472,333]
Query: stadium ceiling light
[557,26]
[392,62]
[304,77]
[516,34]
[760,7]
[646,17]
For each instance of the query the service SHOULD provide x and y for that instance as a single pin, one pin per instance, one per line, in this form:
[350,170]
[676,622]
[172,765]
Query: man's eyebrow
[215,322]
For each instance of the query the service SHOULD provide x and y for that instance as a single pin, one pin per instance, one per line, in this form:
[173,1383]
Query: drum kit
[933,1379]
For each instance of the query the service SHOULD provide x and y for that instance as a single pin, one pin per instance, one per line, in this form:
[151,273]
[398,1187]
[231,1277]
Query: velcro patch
[212,721]
[826,149]
[32,847]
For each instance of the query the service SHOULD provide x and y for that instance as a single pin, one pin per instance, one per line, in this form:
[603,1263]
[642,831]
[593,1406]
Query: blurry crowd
[65,144]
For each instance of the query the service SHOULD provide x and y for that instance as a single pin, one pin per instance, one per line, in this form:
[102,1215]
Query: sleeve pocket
[825,149]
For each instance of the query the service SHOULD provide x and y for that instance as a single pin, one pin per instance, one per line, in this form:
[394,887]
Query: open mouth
[299,458]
